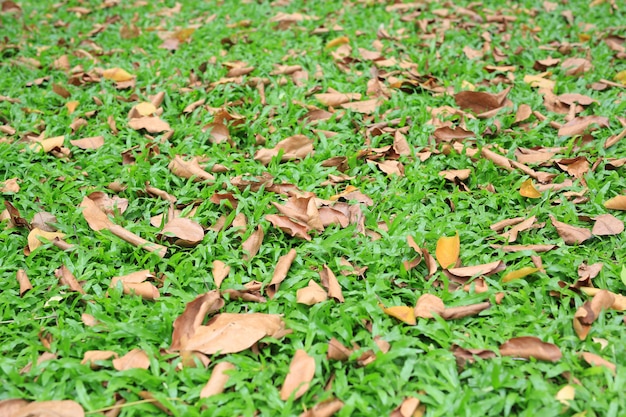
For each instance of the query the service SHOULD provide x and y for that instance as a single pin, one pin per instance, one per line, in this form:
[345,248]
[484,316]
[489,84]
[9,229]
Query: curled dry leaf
[521,248]
[530,347]
[589,312]
[182,232]
[456,174]
[427,305]
[293,147]
[528,190]
[402,313]
[189,169]
[33,237]
[311,294]
[230,333]
[280,272]
[329,281]
[9,186]
[619,302]
[66,277]
[616,203]
[253,243]
[512,233]
[336,99]
[136,358]
[476,270]
[24,282]
[481,102]
[448,250]
[109,205]
[10,407]
[324,409]
[452,313]
[47,145]
[192,318]
[607,225]
[220,271]
[291,227]
[596,360]
[44,221]
[571,235]
[218,380]
[135,283]
[301,372]
[64,408]
[464,355]
[93,142]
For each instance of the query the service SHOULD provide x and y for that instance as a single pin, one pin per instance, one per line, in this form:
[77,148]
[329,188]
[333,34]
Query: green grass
[420,362]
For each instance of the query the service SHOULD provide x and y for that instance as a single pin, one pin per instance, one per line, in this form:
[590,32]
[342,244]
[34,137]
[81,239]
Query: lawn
[312,208]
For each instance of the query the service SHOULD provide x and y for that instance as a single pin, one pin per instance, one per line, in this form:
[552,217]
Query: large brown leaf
[192,318]
[301,372]
[136,358]
[481,102]
[578,125]
[571,235]
[427,305]
[530,347]
[289,226]
[189,169]
[311,294]
[294,147]
[182,231]
[589,312]
[607,225]
[135,283]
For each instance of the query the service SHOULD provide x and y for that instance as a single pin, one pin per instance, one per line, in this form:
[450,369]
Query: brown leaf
[576,66]
[410,407]
[448,250]
[512,233]
[329,281]
[195,312]
[523,113]
[280,272]
[253,243]
[484,269]
[607,225]
[152,124]
[588,312]
[579,125]
[571,235]
[616,203]
[464,311]
[289,226]
[324,409]
[65,277]
[24,282]
[596,360]
[189,169]
[520,248]
[93,142]
[390,167]
[448,134]
[364,107]
[454,175]
[464,355]
[9,186]
[91,356]
[9,408]
[428,304]
[185,232]
[530,347]
[336,351]
[298,380]
[336,99]
[311,294]
[219,272]
[136,358]
[134,283]
[481,102]
[576,167]
[230,333]
[620,300]
[33,237]
[218,380]
[65,408]
[293,147]
[112,206]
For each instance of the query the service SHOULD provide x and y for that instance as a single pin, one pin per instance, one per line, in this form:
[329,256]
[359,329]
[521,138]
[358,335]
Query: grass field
[381,165]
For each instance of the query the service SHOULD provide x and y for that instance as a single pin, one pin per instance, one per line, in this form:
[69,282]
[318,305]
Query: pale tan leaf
[9,186]
[117,74]
[484,269]
[293,147]
[134,283]
[33,237]
[427,305]
[189,169]
[336,99]
[607,225]
[364,107]
[324,409]
[329,281]
[24,282]
[311,294]
[402,313]
[218,380]
[301,372]
[65,277]
[93,142]
[219,272]
[91,356]
[452,313]
[253,243]
[596,360]
[65,408]
[192,318]
[571,235]
[152,124]
[136,358]
[280,272]
[580,124]
[186,232]
[289,226]
[336,351]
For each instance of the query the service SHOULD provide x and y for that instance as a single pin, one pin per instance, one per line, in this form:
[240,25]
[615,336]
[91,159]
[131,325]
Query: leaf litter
[342,199]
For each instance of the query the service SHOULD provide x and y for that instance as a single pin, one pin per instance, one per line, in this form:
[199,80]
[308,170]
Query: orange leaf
[448,250]
[311,294]
[528,189]
[301,372]
[117,74]
[136,358]
[616,203]
[402,313]
[530,347]
[337,41]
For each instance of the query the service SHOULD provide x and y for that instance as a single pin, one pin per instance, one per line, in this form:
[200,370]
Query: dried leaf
[24,282]
[189,169]
[65,408]
[93,142]
[293,147]
[36,233]
[364,107]
[134,283]
[596,360]
[9,186]
[336,351]
[571,235]
[192,318]
[519,273]
[186,232]
[448,250]
[530,347]
[566,394]
[252,245]
[117,74]
[311,294]
[289,226]
[481,102]
[152,124]
[219,272]
[428,304]
[402,313]
[324,409]
[476,270]
[528,189]
[410,407]
[616,203]
[607,225]
[218,380]
[452,313]
[91,356]
[329,281]
[66,277]
[47,145]
[579,125]
[588,312]
[464,355]
[301,372]
[280,272]
[136,358]
[336,99]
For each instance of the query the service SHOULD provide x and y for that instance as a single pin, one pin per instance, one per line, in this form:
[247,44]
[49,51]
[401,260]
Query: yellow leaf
[566,394]
[520,273]
[621,77]
[117,74]
[145,108]
[33,237]
[337,41]
[448,250]
[528,189]
[402,313]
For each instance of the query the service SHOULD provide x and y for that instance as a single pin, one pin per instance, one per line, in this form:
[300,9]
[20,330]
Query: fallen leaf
[519,273]
[336,351]
[219,272]
[571,235]
[566,394]
[93,142]
[24,282]
[402,313]
[336,99]
[9,186]
[329,281]
[428,304]
[65,408]
[185,232]
[589,312]
[513,232]
[520,248]
[528,189]
[324,409]
[298,380]
[364,107]
[218,380]
[253,243]
[596,360]
[476,270]
[47,145]
[65,277]
[530,347]
[452,313]
[117,74]
[293,147]
[464,355]
[607,225]
[289,226]
[193,316]
[135,283]
[33,237]
[91,356]
[580,124]
[136,358]
[481,102]
[311,294]
[616,203]
[189,169]
[152,124]
[448,250]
